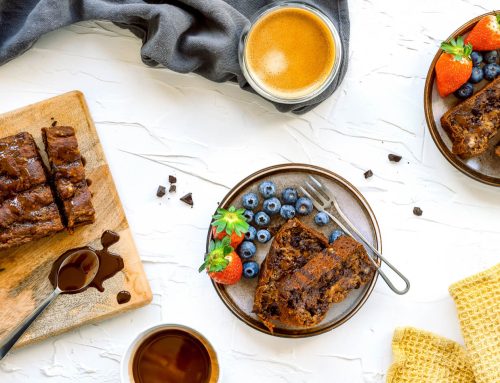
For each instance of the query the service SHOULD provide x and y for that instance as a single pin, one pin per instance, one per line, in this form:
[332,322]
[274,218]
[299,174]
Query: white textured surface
[212,135]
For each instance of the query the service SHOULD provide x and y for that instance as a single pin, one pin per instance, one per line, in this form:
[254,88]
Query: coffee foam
[290,52]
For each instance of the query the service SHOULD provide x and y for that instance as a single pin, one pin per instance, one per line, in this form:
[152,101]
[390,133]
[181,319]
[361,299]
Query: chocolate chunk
[161,191]
[54,123]
[394,158]
[368,174]
[2,269]
[172,189]
[188,198]
[172,179]
[417,211]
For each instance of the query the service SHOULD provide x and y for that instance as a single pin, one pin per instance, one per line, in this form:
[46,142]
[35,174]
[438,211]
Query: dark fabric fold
[199,36]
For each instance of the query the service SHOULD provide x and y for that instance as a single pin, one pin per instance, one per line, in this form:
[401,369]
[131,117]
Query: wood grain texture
[24,270]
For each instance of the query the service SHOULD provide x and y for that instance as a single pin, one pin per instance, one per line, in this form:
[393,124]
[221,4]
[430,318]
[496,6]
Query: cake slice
[21,167]
[303,275]
[28,216]
[68,175]
[27,207]
[472,123]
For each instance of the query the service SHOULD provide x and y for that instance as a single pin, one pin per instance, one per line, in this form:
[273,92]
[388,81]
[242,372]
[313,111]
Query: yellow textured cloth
[478,305]
[423,357]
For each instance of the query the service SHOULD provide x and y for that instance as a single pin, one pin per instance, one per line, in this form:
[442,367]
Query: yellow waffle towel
[422,357]
[478,305]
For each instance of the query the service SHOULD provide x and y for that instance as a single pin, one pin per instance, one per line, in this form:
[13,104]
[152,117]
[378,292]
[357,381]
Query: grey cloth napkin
[199,36]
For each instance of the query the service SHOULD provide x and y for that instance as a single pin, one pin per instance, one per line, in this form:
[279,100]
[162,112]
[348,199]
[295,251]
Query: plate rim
[220,289]
[429,115]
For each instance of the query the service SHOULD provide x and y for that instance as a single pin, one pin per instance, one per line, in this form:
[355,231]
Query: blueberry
[250,269]
[262,219]
[289,196]
[321,219]
[250,201]
[263,236]
[336,234]
[304,206]
[267,189]
[465,91]
[490,57]
[247,250]
[272,206]
[287,211]
[248,214]
[477,58]
[251,233]
[491,71]
[476,76]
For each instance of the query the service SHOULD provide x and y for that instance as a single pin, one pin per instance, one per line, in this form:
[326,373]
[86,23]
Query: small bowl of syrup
[170,353]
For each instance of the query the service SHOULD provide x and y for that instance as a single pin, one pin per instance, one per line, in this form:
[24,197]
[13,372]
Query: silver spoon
[75,273]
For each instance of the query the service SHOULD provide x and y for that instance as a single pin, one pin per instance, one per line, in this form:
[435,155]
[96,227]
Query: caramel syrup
[171,356]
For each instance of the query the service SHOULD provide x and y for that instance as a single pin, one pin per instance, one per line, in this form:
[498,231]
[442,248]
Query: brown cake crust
[472,123]
[303,275]
[68,174]
[27,208]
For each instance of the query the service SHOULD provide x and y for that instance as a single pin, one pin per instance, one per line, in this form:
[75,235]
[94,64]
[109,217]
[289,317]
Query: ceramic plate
[239,298]
[484,168]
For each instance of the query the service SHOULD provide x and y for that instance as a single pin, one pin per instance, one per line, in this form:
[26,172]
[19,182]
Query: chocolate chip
[394,158]
[188,199]
[172,189]
[2,269]
[54,123]
[172,179]
[417,211]
[368,174]
[161,191]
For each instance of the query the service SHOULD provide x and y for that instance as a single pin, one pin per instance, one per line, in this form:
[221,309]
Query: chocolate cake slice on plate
[68,174]
[472,123]
[303,275]
[27,207]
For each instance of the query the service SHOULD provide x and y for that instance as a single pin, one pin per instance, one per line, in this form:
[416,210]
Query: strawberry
[454,66]
[485,36]
[222,264]
[230,223]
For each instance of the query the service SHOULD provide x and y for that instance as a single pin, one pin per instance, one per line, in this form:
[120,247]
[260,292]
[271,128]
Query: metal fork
[323,199]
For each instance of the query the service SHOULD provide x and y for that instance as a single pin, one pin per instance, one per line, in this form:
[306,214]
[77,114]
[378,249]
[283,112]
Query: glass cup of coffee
[170,353]
[290,53]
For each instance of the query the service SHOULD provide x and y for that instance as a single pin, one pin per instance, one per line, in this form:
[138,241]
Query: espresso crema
[290,52]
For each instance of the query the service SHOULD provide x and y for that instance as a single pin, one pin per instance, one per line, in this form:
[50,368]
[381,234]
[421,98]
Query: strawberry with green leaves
[485,36]
[230,222]
[222,264]
[454,66]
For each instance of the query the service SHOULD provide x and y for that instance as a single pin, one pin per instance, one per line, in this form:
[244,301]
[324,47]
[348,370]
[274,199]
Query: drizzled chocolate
[109,263]
[123,297]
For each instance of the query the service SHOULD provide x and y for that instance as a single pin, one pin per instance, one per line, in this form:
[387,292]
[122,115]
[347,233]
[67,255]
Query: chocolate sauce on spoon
[109,263]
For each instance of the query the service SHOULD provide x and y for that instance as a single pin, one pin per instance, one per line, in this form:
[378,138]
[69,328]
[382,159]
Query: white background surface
[216,132]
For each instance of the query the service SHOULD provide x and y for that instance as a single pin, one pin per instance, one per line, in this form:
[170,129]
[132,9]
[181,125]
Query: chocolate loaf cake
[303,275]
[68,174]
[472,123]
[27,207]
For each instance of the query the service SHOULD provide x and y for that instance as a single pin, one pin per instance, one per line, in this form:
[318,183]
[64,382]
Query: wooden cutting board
[24,270]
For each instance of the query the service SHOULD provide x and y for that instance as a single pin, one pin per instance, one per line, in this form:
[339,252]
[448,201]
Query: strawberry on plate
[230,222]
[222,264]
[485,36]
[454,66]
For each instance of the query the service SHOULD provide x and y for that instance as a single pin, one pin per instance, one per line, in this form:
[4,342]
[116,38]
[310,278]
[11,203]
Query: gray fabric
[198,36]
